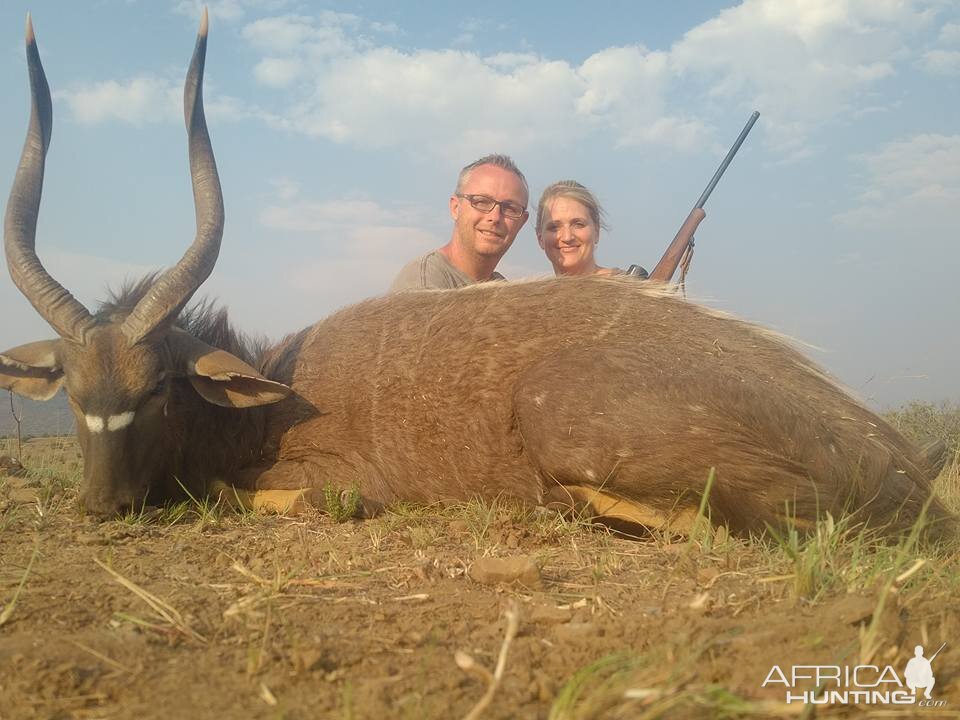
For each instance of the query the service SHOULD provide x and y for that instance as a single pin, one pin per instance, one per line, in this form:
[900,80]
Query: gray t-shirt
[432,271]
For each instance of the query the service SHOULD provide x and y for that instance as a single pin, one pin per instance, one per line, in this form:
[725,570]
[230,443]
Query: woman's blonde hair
[575,191]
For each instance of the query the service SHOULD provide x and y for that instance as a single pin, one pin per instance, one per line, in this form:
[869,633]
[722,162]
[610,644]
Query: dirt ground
[194,612]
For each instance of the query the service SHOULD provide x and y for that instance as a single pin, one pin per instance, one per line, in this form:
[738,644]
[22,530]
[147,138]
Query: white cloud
[143,100]
[341,213]
[386,28]
[324,36]
[911,184]
[950,33]
[803,63]
[382,97]
[286,189]
[276,72]
[219,9]
[942,62]
[363,244]
[227,10]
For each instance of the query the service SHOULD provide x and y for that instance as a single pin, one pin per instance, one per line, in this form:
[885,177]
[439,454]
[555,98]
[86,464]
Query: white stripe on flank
[118,422]
[94,423]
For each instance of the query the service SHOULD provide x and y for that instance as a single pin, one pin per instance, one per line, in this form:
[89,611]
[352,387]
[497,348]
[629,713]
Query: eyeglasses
[486,204]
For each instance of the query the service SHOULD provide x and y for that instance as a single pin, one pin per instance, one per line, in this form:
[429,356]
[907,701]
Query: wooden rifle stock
[683,241]
[664,270]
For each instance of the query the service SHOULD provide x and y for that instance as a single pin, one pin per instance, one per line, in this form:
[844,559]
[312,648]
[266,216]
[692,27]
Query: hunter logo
[859,684]
[919,672]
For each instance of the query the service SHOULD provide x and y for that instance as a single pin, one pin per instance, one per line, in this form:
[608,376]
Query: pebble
[521,569]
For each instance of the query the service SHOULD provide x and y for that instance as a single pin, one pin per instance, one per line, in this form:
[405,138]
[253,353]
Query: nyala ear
[221,378]
[32,370]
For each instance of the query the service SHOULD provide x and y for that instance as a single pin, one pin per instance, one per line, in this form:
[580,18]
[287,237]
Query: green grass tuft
[341,506]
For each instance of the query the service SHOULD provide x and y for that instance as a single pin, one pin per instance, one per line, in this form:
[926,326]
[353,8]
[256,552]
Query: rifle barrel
[726,161]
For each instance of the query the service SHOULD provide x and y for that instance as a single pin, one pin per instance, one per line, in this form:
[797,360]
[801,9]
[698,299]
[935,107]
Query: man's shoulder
[429,271]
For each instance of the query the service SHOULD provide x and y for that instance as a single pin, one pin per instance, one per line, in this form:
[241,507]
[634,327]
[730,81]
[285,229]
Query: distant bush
[925,422]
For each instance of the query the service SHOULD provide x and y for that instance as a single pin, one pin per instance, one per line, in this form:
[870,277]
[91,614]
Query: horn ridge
[160,306]
[68,317]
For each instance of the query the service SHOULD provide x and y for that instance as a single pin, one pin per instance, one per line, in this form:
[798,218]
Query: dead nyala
[596,391]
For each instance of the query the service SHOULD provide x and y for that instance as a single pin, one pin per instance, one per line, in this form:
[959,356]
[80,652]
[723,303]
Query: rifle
[932,657]
[680,250]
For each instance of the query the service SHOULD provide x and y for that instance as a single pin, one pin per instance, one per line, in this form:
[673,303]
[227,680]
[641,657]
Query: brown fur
[520,388]
[542,391]
[178,439]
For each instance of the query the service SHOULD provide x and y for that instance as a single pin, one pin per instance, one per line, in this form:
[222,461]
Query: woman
[569,220]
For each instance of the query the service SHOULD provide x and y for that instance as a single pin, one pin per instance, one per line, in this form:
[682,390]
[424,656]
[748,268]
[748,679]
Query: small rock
[521,569]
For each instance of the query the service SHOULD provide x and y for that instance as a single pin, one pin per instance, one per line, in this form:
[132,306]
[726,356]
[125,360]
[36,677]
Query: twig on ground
[162,609]
[100,656]
[8,610]
[467,663]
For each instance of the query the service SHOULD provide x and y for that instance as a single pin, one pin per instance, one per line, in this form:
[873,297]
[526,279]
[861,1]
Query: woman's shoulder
[635,271]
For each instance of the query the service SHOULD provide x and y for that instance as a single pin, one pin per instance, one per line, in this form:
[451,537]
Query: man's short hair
[500,161]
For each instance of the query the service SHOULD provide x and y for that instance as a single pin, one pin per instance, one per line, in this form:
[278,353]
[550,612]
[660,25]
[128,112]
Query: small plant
[137,516]
[8,516]
[593,687]
[50,498]
[817,557]
[480,516]
[341,505]
[18,419]
[208,511]
[701,533]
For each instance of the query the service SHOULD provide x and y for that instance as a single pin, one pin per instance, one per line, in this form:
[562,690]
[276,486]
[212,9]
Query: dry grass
[284,582]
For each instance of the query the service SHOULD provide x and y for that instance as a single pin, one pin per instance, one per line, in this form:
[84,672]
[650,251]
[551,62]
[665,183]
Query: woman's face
[568,235]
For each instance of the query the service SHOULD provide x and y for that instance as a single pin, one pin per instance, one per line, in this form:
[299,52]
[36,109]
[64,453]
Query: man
[488,209]
[919,672]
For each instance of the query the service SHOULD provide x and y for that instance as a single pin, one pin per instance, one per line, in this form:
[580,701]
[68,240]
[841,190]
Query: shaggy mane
[203,319]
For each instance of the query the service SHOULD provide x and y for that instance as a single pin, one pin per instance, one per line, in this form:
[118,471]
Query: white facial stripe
[114,422]
[94,423]
[118,422]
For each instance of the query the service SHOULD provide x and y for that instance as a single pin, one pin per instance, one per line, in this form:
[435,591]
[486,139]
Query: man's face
[492,233]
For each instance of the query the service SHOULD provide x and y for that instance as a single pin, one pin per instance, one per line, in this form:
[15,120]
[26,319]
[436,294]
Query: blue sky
[339,129]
